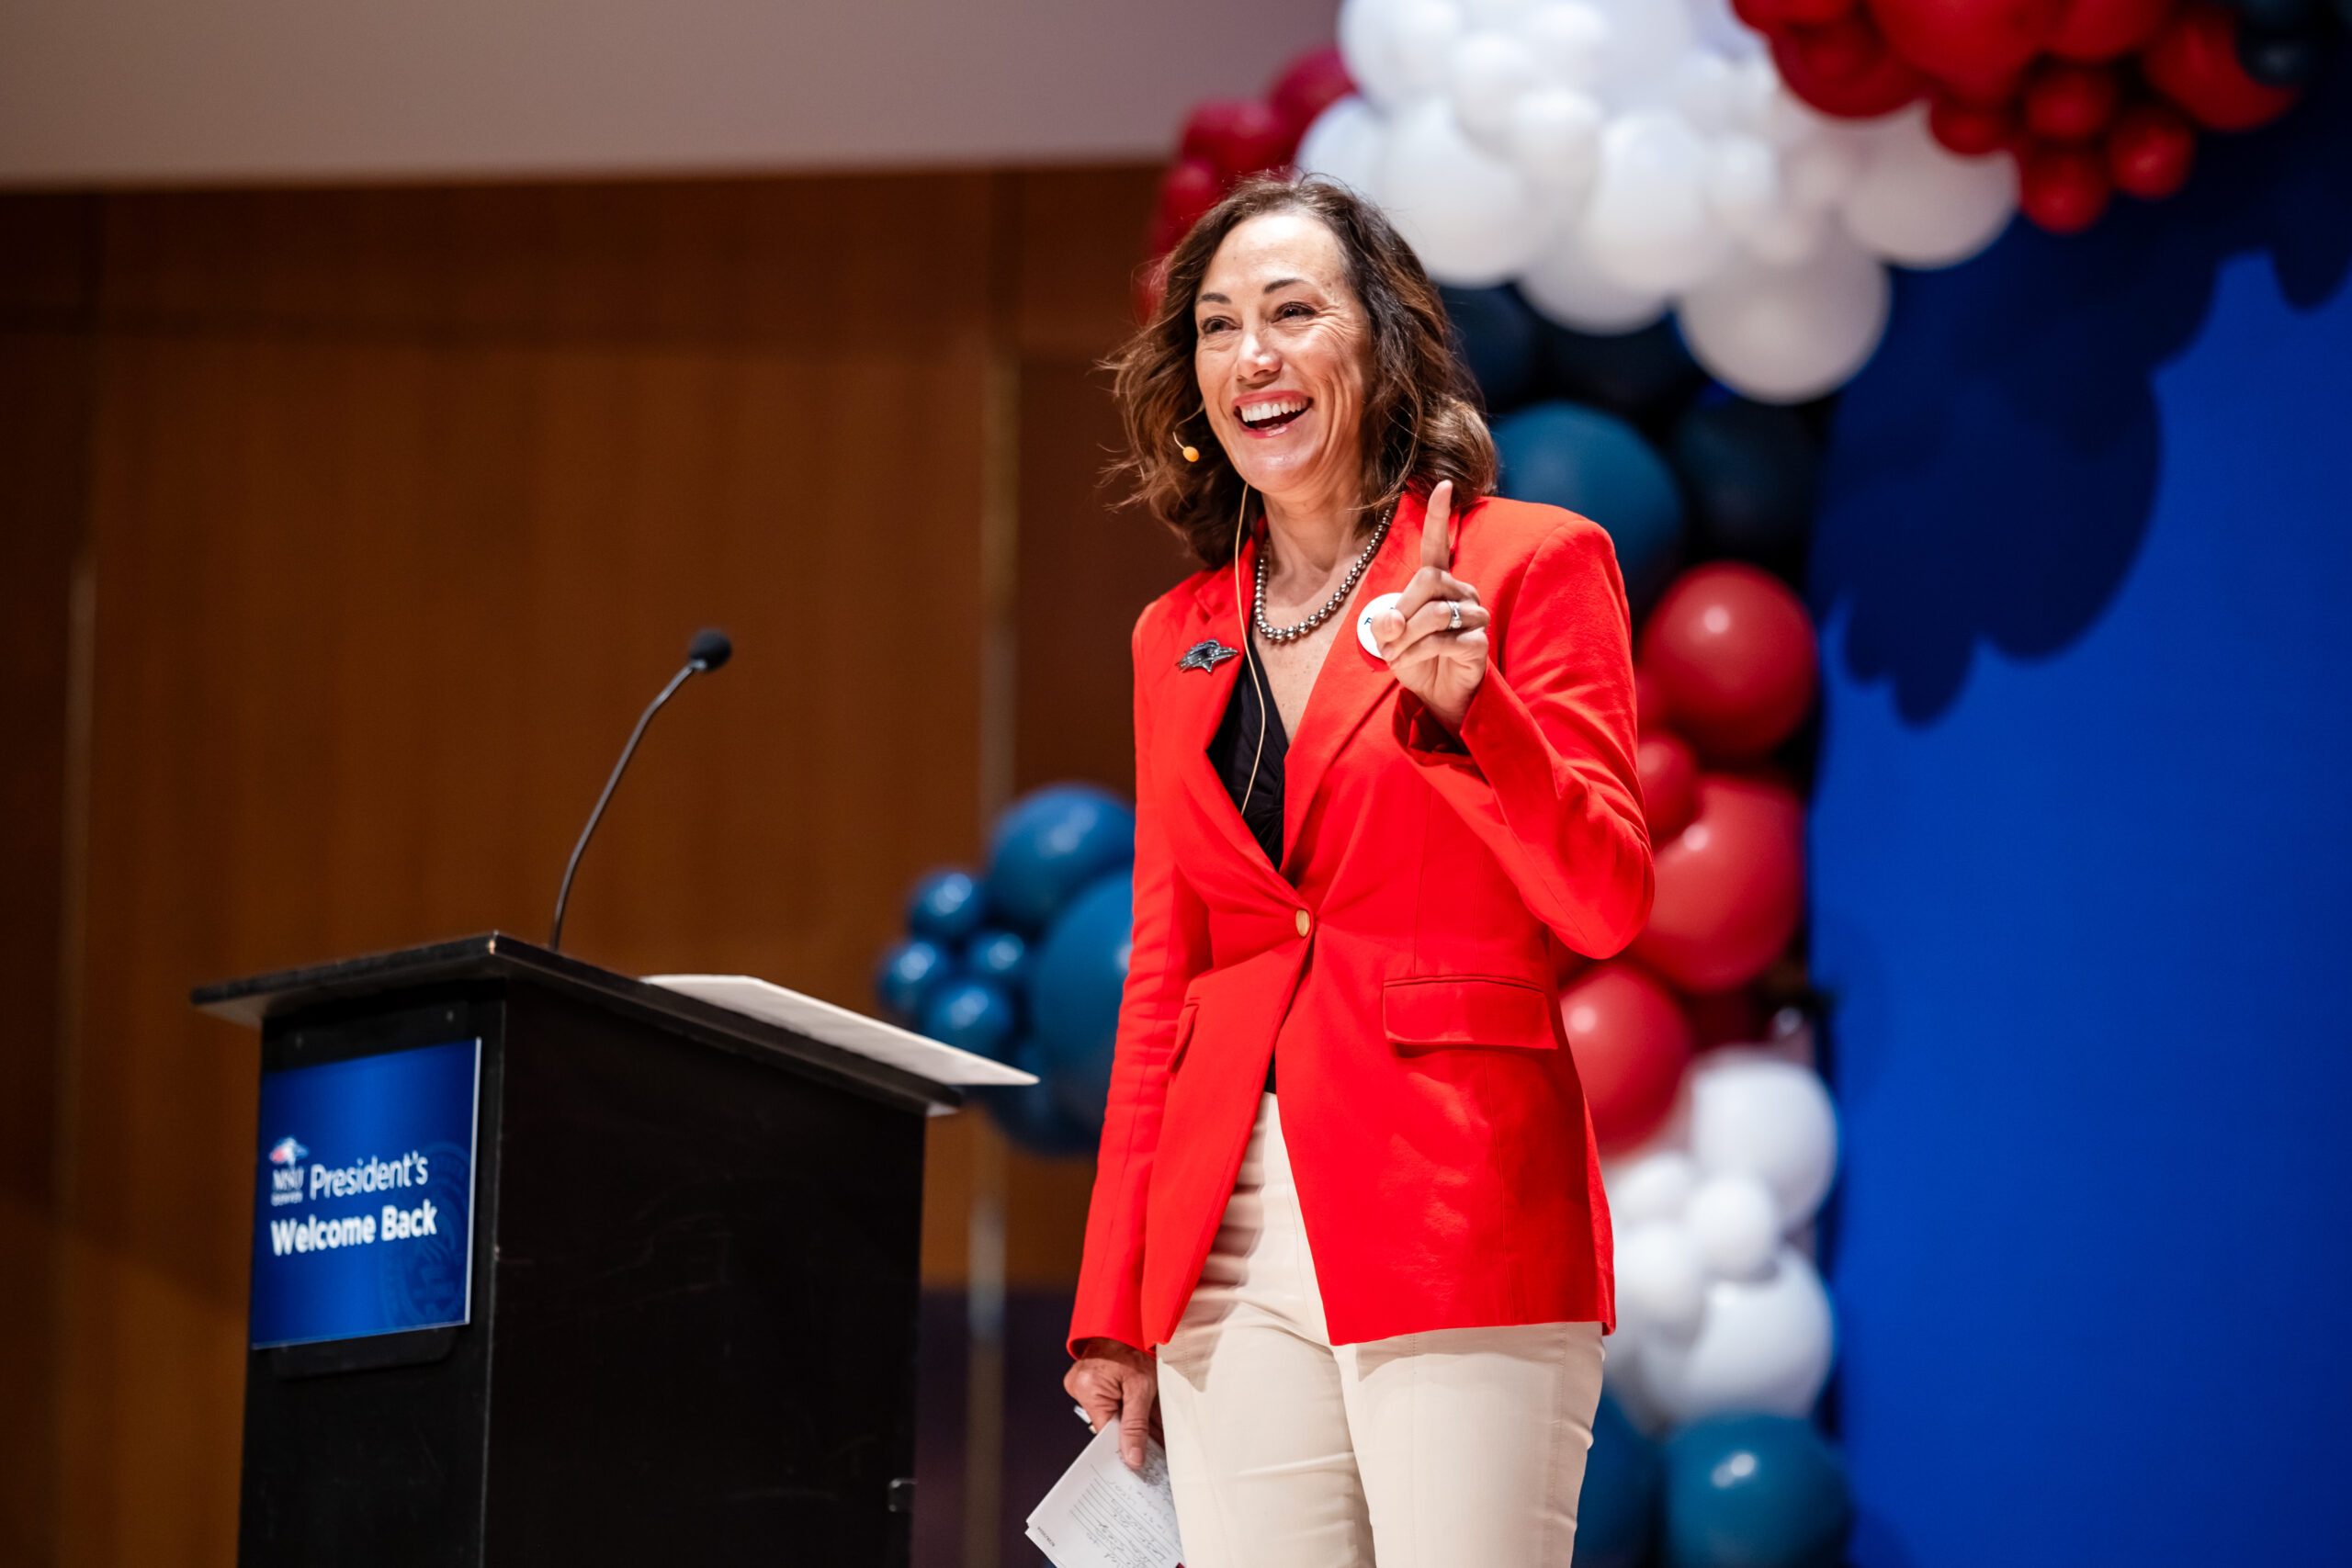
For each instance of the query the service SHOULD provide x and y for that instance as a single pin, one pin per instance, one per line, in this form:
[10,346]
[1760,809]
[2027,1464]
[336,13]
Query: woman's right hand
[1113,1381]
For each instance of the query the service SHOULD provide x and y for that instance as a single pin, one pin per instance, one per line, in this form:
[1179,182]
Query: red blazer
[1399,965]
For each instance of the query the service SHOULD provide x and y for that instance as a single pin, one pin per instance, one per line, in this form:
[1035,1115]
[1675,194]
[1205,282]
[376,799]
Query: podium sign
[364,1210]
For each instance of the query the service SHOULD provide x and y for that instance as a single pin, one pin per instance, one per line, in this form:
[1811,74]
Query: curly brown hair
[1421,420]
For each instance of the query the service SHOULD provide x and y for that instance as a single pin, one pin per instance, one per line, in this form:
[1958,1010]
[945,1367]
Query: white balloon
[1744,181]
[1785,235]
[1556,137]
[1755,1115]
[1490,72]
[1472,218]
[1918,204]
[1564,285]
[1495,13]
[1787,334]
[1661,1280]
[1820,170]
[1569,39]
[1647,38]
[1716,26]
[1653,1183]
[1368,44]
[1733,1220]
[1763,1346]
[1621,1374]
[1424,35]
[1648,225]
[1345,142]
[1704,92]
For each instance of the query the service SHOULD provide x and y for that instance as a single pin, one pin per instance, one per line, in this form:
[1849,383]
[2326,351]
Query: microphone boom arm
[563,897]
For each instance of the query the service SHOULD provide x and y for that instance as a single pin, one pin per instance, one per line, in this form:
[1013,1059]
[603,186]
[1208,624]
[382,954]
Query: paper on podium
[852,1032]
[1103,1515]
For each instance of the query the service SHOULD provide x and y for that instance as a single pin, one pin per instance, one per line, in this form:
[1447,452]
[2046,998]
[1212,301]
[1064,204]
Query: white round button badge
[1363,622]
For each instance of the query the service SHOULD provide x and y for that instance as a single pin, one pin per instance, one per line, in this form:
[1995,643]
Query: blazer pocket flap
[1452,1009]
[1185,1018]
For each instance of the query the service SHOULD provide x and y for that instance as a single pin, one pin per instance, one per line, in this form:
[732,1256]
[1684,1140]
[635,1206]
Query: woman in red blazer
[1370,1302]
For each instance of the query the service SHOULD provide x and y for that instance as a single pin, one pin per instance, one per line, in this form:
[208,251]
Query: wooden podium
[678,1325]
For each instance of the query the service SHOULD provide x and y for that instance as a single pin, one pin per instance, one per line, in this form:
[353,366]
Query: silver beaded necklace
[1272,632]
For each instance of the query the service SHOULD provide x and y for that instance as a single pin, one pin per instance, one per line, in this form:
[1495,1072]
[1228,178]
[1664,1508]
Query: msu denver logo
[285,1160]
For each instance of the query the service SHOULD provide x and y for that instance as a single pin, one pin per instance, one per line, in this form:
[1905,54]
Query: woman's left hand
[1432,656]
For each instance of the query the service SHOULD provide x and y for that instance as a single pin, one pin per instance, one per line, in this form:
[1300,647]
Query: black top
[1234,749]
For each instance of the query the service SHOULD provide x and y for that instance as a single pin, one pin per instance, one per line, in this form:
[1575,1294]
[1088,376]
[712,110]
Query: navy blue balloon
[998,955]
[1499,336]
[909,972]
[1030,1116]
[1075,979]
[1754,1492]
[1050,843]
[1623,1485]
[1748,469]
[1631,373]
[972,1015]
[1591,462]
[947,906]
[2279,57]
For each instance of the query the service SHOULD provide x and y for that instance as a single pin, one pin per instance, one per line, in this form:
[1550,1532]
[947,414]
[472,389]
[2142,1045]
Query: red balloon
[1840,53]
[1735,650]
[1187,190]
[2065,190]
[1307,86]
[2069,102]
[1970,129]
[1730,886]
[1630,1044]
[1813,13]
[1669,783]
[1973,37]
[1886,85]
[2150,150]
[2102,29]
[1238,137]
[2193,61]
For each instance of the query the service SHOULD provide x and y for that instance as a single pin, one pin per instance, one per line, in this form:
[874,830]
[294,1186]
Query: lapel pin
[1207,654]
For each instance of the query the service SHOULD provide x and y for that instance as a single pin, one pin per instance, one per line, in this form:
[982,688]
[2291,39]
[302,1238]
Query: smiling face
[1281,345]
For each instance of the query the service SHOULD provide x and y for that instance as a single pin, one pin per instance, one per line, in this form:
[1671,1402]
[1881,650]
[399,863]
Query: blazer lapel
[1196,702]
[1350,682]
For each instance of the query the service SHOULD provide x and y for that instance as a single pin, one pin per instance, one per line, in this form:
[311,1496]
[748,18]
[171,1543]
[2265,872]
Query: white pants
[1455,1448]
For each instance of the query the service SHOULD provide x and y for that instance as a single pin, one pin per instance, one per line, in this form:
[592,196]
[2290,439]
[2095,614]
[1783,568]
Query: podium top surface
[893,1063]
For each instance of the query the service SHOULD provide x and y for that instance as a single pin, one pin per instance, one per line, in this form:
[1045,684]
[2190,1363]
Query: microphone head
[709,649]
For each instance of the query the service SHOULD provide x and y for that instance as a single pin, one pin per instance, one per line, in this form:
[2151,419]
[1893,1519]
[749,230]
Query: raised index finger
[1437,548]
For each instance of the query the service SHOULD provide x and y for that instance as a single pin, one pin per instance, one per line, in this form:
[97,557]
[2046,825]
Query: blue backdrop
[2079,859]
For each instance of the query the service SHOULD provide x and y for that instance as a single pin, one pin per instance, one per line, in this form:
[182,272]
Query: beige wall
[122,91]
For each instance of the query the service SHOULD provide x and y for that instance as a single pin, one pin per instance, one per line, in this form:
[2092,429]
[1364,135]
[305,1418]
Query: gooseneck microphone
[710,650]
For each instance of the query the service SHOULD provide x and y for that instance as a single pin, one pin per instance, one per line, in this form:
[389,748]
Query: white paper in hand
[1103,1515]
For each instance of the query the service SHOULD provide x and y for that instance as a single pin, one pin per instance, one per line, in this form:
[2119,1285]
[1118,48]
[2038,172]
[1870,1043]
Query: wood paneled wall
[345,532]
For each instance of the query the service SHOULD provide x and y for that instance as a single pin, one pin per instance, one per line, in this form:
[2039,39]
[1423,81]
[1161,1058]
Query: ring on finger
[1453,611]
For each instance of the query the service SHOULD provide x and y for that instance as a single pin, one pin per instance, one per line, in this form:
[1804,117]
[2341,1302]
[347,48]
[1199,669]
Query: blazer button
[1303,922]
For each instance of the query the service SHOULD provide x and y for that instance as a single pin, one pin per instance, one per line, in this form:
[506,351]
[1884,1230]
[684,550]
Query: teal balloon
[1594,463]
[1754,1492]
[1079,971]
[1748,469]
[1050,843]
[998,955]
[947,907]
[972,1015]
[1031,1117]
[1624,1478]
[908,975]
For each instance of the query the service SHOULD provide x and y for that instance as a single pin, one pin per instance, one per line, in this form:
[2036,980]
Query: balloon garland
[1024,962]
